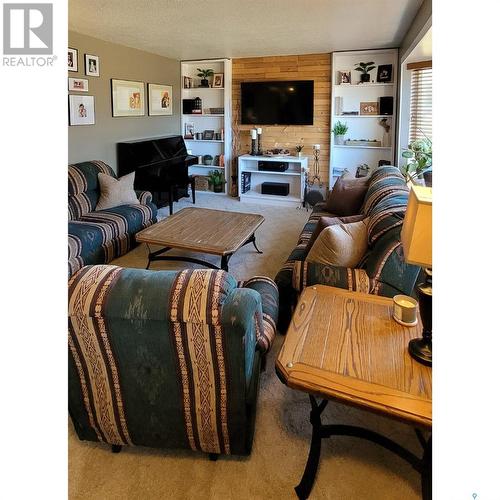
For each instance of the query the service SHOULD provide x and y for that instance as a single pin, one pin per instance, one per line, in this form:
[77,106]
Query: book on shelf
[246,182]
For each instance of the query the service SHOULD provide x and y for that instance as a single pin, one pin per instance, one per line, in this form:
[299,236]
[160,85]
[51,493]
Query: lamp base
[421,351]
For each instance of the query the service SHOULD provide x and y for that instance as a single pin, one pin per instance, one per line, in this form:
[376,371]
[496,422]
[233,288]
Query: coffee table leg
[303,490]
[252,239]
[427,471]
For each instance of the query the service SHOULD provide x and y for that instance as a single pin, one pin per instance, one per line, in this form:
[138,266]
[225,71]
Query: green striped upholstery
[382,271]
[97,237]
[164,359]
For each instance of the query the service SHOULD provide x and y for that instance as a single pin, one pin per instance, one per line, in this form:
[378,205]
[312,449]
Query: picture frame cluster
[128,97]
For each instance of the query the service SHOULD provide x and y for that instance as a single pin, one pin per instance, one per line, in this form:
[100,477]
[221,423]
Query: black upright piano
[160,165]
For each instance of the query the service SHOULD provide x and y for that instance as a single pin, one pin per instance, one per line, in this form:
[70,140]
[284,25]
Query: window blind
[421,104]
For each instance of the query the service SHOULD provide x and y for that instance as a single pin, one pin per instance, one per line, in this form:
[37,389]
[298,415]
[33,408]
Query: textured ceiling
[196,29]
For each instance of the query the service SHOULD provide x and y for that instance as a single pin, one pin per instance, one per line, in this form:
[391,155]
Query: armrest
[269,295]
[312,273]
[144,197]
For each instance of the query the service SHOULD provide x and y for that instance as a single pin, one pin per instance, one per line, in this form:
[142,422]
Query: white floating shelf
[360,147]
[206,166]
[363,116]
[203,88]
[200,140]
[259,196]
[201,114]
[355,85]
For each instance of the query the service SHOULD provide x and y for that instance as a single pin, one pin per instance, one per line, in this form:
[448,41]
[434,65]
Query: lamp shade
[416,235]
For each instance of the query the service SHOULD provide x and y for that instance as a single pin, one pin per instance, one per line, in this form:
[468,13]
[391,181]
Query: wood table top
[217,232]
[346,346]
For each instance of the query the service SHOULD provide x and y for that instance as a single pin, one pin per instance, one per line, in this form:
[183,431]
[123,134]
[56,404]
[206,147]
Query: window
[421,104]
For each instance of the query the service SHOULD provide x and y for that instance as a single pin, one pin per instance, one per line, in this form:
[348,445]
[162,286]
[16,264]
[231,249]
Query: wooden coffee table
[215,232]
[345,346]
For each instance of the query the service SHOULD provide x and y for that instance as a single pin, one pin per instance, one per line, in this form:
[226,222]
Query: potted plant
[340,130]
[217,180]
[418,160]
[204,74]
[207,159]
[365,69]
[299,147]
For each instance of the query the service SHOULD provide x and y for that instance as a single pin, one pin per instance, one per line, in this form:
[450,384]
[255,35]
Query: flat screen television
[277,103]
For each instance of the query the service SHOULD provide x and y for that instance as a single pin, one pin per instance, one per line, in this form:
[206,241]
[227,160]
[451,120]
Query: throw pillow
[116,192]
[342,245]
[347,196]
[330,221]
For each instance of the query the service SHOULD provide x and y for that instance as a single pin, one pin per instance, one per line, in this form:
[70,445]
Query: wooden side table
[345,346]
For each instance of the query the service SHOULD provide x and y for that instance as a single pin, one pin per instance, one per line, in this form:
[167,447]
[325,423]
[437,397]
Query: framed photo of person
[218,81]
[81,110]
[189,130]
[91,65]
[368,108]
[72,59]
[188,82]
[384,73]
[159,99]
[127,98]
[345,77]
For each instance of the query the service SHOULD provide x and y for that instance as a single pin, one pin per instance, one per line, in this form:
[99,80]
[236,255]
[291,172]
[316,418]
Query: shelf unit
[362,126]
[294,175]
[211,98]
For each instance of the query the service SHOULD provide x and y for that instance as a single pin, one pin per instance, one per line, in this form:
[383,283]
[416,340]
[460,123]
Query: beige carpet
[349,469]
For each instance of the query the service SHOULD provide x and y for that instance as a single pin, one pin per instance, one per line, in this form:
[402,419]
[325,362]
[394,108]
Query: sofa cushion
[347,196]
[116,192]
[324,222]
[382,187]
[340,245]
[387,268]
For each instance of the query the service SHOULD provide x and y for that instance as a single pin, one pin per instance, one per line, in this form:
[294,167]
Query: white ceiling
[198,29]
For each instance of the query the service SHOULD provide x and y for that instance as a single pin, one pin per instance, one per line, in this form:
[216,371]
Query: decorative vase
[204,83]
[218,188]
[365,77]
[299,154]
[339,140]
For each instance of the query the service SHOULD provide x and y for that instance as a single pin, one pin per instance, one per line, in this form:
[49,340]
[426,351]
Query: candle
[405,310]
[254,133]
[317,146]
[259,131]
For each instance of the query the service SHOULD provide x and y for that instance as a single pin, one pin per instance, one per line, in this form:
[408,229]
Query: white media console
[294,176]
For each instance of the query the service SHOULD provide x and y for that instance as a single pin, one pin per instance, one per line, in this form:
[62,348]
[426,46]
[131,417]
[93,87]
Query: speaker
[273,166]
[276,188]
[187,106]
[386,105]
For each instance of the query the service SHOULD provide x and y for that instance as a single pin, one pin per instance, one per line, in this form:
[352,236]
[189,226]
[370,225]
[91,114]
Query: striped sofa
[98,237]
[167,359]
[382,271]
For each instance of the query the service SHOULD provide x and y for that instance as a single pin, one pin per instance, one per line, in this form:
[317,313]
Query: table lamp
[416,237]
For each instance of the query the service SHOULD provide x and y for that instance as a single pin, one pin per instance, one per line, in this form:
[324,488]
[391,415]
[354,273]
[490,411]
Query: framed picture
[91,65]
[159,99]
[127,98]
[72,59]
[188,82]
[81,110]
[384,73]
[208,135]
[78,85]
[345,77]
[218,81]
[189,130]
[368,108]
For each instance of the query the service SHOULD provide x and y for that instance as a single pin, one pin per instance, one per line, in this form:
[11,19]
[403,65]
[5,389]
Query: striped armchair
[167,359]
[98,237]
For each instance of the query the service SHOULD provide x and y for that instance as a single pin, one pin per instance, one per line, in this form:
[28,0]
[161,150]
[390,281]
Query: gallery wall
[98,142]
[315,67]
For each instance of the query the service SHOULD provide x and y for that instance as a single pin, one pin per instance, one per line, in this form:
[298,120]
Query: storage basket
[201,183]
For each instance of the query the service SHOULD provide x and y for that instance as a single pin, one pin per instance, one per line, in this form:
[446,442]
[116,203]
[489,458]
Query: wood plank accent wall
[315,67]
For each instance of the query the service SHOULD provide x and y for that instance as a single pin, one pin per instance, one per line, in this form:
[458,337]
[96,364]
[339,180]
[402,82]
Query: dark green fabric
[137,318]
